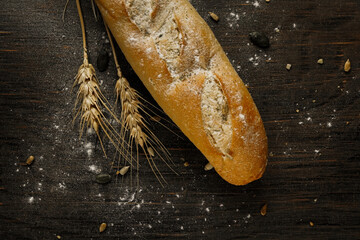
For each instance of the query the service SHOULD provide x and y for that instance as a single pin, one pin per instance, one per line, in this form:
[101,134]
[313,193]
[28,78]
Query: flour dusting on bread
[215,114]
[162,27]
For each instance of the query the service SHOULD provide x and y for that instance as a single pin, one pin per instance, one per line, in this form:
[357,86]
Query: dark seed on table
[259,39]
[102,60]
[103,178]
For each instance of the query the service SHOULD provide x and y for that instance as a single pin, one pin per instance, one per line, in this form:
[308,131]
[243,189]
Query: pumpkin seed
[30,160]
[103,178]
[347,66]
[102,227]
[102,60]
[259,39]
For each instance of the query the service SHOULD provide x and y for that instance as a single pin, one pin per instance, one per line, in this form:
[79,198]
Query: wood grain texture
[311,114]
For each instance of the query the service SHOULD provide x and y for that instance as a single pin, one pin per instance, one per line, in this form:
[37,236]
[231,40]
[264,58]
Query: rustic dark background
[311,115]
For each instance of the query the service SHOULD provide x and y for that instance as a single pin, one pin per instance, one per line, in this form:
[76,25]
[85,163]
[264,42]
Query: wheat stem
[132,122]
[90,101]
[82,30]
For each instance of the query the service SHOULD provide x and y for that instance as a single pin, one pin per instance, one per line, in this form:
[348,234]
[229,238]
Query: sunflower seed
[259,39]
[103,178]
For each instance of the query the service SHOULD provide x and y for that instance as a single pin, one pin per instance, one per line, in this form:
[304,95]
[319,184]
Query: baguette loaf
[179,60]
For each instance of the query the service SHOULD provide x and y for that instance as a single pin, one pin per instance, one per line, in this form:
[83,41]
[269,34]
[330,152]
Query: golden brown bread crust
[180,96]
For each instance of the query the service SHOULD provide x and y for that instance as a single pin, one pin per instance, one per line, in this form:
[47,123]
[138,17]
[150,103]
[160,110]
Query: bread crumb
[288,66]
[311,224]
[186,164]
[320,61]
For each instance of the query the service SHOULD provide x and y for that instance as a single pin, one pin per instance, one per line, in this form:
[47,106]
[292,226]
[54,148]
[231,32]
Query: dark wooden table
[311,114]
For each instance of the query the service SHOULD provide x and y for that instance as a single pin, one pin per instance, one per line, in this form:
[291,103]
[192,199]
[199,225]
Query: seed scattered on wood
[214,16]
[288,66]
[151,152]
[267,1]
[103,178]
[58,237]
[102,61]
[124,170]
[259,39]
[30,160]
[347,66]
[311,224]
[263,209]
[102,227]
[320,61]
[297,110]
[208,167]
[155,118]
[186,164]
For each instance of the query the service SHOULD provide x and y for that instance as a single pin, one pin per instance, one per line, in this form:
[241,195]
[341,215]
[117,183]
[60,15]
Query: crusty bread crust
[177,83]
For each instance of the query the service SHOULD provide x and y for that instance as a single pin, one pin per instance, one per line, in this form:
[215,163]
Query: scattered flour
[233,19]
[62,185]
[256,4]
[94,169]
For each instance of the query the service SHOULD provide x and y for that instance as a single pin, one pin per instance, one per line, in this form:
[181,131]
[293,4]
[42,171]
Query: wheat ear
[90,101]
[134,125]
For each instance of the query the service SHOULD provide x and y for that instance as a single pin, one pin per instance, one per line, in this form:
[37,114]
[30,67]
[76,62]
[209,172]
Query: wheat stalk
[134,125]
[90,101]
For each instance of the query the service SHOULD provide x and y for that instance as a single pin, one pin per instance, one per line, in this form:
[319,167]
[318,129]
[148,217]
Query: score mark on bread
[215,114]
